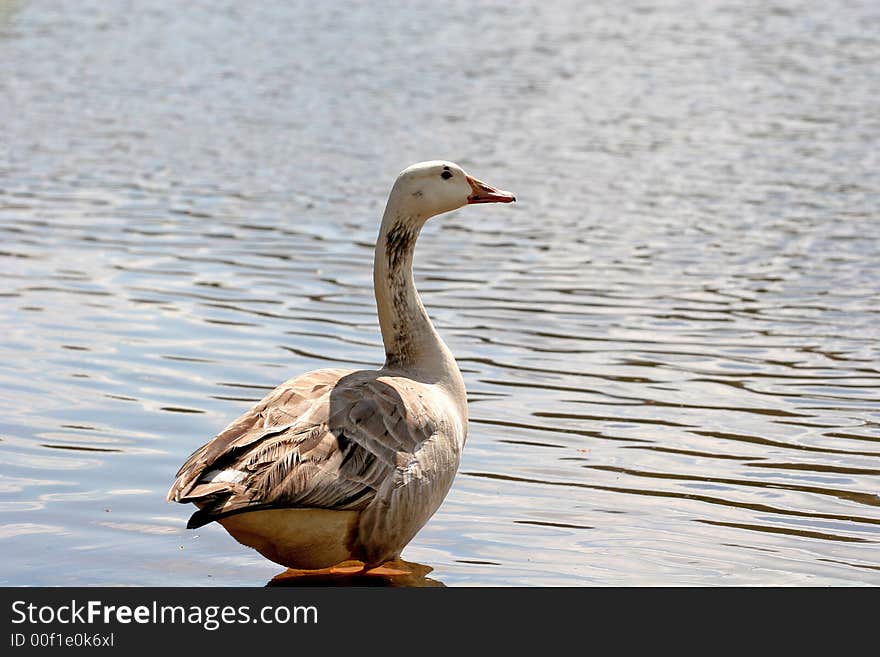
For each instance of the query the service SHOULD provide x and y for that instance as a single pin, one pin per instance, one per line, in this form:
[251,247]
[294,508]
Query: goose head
[431,188]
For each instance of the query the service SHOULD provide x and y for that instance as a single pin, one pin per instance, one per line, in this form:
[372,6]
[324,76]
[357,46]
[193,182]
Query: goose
[340,465]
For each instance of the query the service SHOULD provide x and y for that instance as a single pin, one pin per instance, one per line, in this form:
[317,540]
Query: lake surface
[671,343]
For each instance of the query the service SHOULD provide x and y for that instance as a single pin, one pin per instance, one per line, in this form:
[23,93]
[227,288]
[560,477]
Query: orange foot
[391,569]
[355,573]
[344,568]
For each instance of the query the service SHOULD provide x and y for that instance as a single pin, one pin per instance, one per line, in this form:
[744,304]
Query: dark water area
[670,342]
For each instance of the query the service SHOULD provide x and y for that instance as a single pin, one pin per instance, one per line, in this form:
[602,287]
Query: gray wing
[329,439]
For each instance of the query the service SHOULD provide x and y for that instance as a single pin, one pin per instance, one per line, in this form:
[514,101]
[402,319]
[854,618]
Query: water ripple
[670,343]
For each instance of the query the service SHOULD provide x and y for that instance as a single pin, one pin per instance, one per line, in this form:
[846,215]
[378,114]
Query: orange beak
[482,193]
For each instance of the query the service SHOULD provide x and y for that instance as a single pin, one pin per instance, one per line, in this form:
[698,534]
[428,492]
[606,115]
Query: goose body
[336,464]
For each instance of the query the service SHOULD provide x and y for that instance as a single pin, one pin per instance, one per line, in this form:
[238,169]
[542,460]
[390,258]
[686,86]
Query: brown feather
[327,439]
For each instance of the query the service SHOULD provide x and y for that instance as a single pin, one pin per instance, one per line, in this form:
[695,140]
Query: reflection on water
[401,574]
[670,343]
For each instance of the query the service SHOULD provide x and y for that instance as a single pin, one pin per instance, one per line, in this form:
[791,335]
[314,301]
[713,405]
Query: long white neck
[412,344]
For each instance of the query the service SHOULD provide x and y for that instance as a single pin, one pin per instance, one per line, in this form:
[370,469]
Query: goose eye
[446,175]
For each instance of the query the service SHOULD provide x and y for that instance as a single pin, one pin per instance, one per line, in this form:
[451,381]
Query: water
[670,343]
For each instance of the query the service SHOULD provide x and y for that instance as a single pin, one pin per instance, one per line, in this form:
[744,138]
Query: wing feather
[328,439]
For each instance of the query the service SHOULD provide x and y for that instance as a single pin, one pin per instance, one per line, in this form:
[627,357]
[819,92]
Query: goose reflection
[404,574]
